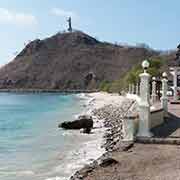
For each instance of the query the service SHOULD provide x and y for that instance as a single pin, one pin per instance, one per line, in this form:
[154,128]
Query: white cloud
[63,13]
[17,18]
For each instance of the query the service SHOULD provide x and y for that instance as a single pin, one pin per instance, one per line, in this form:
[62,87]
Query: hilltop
[70,61]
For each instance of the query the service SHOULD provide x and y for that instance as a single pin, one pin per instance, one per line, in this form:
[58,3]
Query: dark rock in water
[83,122]
[87,130]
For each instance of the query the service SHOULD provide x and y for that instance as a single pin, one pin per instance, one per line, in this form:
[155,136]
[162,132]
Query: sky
[154,22]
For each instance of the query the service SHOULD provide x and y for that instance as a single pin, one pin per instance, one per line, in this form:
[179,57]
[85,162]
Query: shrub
[132,77]
[104,86]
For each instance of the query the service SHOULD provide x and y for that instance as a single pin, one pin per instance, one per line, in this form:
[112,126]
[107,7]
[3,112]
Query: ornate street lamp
[145,65]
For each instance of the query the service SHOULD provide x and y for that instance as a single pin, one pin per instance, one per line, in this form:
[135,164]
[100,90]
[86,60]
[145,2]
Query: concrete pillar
[144,104]
[133,89]
[128,128]
[154,94]
[175,84]
[164,98]
[129,90]
[137,89]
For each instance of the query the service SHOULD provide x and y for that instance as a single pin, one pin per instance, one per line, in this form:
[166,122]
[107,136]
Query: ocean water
[31,144]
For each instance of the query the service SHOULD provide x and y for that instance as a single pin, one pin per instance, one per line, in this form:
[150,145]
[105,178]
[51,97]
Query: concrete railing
[141,124]
[130,127]
[131,123]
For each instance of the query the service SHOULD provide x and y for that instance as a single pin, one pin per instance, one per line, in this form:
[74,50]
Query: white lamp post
[174,71]
[175,84]
[133,89]
[164,98]
[137,89]
[145,65]
[144,104]
[154,95]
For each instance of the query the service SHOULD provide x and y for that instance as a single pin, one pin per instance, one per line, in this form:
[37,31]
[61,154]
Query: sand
[100,99]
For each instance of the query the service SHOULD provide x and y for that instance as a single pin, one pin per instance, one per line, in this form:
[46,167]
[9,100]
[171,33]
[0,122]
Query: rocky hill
[69,61]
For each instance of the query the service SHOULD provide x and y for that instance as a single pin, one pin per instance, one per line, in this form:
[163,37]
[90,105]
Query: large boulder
[83,122]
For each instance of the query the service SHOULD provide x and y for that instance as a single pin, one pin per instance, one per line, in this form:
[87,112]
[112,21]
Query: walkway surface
[171,126]
[142,162]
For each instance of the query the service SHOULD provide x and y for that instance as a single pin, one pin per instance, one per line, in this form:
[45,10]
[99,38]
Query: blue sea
[32,147]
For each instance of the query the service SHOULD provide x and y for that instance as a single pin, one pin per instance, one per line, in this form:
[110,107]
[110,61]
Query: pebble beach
[108,110]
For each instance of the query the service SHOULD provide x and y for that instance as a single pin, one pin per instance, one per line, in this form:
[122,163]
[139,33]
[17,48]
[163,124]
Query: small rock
[107,162]
[83,122]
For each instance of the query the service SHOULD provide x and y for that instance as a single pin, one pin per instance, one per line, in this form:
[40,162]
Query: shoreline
[91,149]
[70,91]
[103,107]
[88,148]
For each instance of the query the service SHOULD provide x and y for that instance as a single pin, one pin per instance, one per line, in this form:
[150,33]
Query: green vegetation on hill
[132,76]
[105,86]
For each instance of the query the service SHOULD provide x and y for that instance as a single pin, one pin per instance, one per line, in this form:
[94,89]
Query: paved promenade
[171,127]
[157,159]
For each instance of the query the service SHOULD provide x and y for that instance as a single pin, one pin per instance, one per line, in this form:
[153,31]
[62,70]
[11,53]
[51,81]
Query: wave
[17,173]
[84,152]
[57,178]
